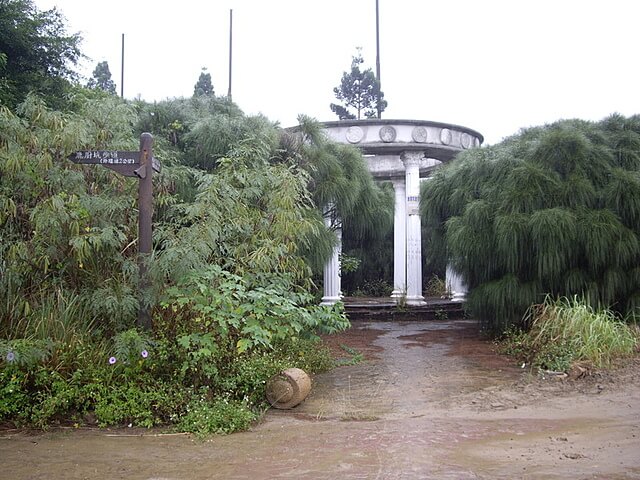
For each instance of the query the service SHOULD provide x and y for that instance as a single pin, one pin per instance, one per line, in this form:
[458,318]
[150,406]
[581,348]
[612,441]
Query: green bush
[204,417]
[310,355]
[15,396]
[148,382]
[231,275]
[553,210]
[131,403]
[374,288]
[227,306]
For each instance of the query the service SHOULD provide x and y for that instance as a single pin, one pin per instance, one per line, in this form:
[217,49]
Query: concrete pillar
[332,281]
[399,240]
[411,161]
[455,285]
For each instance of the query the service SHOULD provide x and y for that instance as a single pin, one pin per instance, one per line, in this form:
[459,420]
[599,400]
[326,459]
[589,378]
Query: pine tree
[101,78]
[358,91]
[203,86]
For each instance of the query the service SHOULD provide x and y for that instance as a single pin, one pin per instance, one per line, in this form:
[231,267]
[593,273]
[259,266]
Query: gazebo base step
[382,309]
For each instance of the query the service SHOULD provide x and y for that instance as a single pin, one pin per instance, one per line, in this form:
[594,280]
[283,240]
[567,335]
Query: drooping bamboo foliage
[552,210]
[230,194]
[230,284]
[65,227]
[341,186]
[207,131]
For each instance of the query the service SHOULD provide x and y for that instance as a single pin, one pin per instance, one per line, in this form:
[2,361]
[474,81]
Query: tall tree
[40,54]
[101,78]
[359,92]
[203,86]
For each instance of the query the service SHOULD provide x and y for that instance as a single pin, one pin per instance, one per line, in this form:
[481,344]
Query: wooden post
[145,216]
[140,164]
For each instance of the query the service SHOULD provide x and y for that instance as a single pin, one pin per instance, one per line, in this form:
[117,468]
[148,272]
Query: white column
[455,285]
[332,281]
[399,240]
[411,162]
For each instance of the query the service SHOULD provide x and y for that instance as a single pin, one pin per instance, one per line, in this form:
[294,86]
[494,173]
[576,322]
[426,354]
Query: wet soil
[427,400]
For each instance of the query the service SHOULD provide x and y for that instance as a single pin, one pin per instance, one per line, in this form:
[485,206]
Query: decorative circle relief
[419,134]
[445,136]
[354,134]
[387,134]
[465,140]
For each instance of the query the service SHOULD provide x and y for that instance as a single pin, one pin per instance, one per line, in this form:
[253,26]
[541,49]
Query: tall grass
[565,331]
[58,316]
[64,325]
[436,287]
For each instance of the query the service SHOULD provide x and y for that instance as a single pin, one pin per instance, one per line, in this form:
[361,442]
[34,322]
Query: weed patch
[565,331]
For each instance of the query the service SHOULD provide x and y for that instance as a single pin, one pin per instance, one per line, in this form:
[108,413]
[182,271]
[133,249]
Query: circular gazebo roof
[383,141]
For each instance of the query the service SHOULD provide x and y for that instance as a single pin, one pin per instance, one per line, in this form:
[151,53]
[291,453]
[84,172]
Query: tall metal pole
[122,70]
[378,58]
[230,48]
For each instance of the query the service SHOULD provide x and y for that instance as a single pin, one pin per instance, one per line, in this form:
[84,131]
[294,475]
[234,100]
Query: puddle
[413,371]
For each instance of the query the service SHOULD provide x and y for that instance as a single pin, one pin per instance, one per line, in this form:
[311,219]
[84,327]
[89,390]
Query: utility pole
[230,48]
[378,57]
[122,70]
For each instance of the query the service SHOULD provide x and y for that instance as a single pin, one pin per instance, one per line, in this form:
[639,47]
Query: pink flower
[144,354]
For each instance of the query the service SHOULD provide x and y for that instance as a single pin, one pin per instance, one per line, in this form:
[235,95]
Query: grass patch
[220,416]
[436,287]
[358,417]
[564,331]
[355,357]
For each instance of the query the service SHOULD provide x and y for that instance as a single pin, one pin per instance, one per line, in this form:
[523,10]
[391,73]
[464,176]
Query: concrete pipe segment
[289,388]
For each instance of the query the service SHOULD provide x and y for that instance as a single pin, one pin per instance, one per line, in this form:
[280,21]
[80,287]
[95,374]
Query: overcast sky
[494,66]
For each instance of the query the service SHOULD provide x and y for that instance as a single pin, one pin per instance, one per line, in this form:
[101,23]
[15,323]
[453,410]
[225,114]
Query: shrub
[436,287]
[147,382]
[374,288]
[204,417]
[142,404]
[216,302]
[553,210]
[228,261]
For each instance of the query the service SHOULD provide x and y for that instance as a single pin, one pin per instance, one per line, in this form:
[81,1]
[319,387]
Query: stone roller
[288,388]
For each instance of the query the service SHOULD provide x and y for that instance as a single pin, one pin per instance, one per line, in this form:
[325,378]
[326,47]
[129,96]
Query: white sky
[491,65]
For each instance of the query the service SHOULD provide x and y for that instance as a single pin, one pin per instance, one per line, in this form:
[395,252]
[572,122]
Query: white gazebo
[404,152]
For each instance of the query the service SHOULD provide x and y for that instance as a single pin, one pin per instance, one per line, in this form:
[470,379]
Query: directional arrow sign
[124,163]
[155,164]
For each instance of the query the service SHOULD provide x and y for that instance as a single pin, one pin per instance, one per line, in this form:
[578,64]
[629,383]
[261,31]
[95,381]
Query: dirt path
[430,401]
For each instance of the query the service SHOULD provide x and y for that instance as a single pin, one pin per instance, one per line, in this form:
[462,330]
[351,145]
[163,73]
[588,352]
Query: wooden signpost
[140,164]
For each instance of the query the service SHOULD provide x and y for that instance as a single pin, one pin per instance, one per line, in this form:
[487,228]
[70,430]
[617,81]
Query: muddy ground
[428,400]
